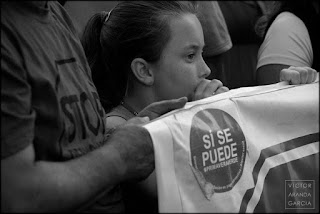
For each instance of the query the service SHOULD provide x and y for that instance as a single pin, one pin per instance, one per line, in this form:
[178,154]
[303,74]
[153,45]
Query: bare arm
[293,75]
[269,74]
[28,185]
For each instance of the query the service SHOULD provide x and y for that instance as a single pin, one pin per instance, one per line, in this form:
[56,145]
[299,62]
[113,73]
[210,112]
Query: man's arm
[274,73]
[269,74]
[28,185]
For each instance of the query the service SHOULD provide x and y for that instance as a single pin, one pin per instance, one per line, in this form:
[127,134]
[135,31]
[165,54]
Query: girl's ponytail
[92,47]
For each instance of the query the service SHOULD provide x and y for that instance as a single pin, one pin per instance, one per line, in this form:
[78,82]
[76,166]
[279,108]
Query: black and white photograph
[160,106]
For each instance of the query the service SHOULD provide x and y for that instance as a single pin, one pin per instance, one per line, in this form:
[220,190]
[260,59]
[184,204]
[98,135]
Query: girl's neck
[138,101]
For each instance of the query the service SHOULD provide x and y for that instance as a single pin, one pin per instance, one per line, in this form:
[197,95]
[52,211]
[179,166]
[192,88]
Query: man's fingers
[303,71]
[291,67]
[138,120]
[298,75]
[290,75]
[312,74]
[157,109]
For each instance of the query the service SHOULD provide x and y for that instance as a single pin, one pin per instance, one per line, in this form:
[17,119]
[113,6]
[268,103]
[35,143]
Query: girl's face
[181,66]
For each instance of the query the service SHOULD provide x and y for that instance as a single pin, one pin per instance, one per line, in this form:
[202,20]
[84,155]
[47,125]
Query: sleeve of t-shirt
[287,42]
[216,34]
[17,116]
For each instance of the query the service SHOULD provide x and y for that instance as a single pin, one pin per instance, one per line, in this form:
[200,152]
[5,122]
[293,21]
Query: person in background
[81,11]
[291,38]
[56,155]
[216,37]
[141,52]
[239,63]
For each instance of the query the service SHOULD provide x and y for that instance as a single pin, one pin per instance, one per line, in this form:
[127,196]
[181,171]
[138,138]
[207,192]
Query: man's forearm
[269,74]
[42,186]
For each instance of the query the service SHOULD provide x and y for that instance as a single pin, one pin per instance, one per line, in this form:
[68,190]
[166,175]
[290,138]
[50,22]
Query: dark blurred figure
[216,36]
[62,2]
[81,11]
[239,63]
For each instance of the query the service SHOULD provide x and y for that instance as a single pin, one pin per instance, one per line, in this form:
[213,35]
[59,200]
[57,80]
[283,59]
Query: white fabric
[287,42]
[267,116]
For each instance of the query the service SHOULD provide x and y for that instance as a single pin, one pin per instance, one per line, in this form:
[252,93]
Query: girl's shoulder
[117,116]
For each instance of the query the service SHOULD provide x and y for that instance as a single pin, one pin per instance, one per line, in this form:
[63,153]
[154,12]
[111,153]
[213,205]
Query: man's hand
[208,88]
[157,109]
[134,146]
[298,75]
[133,142]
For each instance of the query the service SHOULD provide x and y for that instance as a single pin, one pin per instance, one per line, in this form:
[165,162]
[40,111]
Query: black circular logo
[218,148]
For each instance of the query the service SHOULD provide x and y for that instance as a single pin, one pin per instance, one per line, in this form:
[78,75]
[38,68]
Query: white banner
[251,149]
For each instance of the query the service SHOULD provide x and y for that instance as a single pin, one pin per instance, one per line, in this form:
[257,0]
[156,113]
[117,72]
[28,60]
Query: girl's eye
[191,56]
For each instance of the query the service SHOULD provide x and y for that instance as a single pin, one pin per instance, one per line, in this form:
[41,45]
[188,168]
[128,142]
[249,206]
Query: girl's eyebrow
[193,46]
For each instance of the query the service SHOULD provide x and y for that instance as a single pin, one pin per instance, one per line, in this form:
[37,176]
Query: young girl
[143,52]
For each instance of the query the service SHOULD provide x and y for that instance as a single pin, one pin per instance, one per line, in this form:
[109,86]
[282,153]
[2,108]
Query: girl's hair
[304,10]
[133,29]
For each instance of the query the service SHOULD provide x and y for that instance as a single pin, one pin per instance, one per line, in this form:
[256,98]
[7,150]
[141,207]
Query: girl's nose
[205,70]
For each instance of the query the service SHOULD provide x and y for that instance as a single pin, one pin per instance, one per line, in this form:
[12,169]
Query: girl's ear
[142,71]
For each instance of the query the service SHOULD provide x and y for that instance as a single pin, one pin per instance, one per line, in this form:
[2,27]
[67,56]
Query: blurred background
[81,11]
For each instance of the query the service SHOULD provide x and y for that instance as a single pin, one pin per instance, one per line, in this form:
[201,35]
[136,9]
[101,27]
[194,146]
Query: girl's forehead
[184,30]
